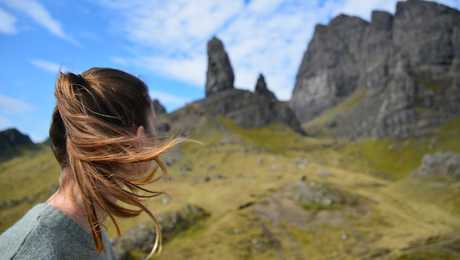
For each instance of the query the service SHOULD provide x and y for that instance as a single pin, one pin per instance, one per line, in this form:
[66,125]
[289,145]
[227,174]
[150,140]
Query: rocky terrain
[440,165]
[402,72]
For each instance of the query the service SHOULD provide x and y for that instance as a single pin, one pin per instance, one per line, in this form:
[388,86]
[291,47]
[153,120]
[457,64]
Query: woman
[103,136]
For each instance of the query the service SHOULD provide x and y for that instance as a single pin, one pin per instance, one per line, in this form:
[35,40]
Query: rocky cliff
[247,109]
[401,71]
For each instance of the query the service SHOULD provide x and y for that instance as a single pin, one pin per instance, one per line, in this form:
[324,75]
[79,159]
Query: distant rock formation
[11,140]
[158,107]
[408,66]
[219,75]
[262,89]
[246,108]
[440,164]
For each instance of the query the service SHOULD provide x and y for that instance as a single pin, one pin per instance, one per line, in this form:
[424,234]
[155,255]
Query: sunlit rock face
[407,64]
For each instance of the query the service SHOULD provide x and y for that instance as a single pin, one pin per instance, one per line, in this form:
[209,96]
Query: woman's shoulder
[47,233]
[27,235]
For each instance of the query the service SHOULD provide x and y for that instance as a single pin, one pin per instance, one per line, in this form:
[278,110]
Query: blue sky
[162,42]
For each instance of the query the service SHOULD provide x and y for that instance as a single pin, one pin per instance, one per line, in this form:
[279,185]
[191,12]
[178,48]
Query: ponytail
[93,132]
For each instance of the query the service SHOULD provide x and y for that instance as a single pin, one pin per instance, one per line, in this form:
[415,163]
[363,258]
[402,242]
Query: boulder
[317,196]
[440,164]
[141,237]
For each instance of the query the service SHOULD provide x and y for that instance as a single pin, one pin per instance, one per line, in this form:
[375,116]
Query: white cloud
[4,122]
[170,99]
[13,105]
[48,66]
[189,69]
[173,25]
[267,36]
[7,22]
[40,15]
[264,36]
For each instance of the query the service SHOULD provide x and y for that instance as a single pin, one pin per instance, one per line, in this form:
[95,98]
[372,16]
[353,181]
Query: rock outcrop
[11,140]
[262,89]
[247,109]
[440,164]
[219,76]
[407,64]
[158,107]
[141,237]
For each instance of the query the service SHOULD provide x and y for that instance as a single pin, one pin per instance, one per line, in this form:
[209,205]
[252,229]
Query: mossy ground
[253,164]
[318,125]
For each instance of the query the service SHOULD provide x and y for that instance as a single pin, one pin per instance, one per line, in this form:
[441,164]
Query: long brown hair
[93,131]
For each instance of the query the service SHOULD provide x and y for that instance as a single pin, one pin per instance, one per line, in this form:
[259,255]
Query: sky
[162,42]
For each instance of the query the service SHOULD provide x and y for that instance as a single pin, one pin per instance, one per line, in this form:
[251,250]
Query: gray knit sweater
[46,233]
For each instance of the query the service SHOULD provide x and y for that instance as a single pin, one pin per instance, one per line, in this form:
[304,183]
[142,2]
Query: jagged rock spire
[262,89]
[219,75]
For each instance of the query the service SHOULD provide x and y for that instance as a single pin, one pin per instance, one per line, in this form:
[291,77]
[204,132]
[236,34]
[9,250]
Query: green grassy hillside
[273,194]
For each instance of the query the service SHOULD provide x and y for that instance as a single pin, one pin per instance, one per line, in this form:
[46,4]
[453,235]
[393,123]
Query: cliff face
[408,66]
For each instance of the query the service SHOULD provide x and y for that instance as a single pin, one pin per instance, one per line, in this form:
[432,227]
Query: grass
[394,210]
[395,159]
[319,123]
[276,138]
[26,180]
[316,206]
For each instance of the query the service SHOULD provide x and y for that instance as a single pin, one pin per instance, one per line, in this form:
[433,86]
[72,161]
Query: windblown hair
[93,132]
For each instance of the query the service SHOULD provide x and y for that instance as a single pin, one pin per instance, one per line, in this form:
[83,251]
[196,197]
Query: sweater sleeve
[37,245]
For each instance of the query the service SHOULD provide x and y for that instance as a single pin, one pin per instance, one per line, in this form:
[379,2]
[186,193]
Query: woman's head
[103,130]
[110,95]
